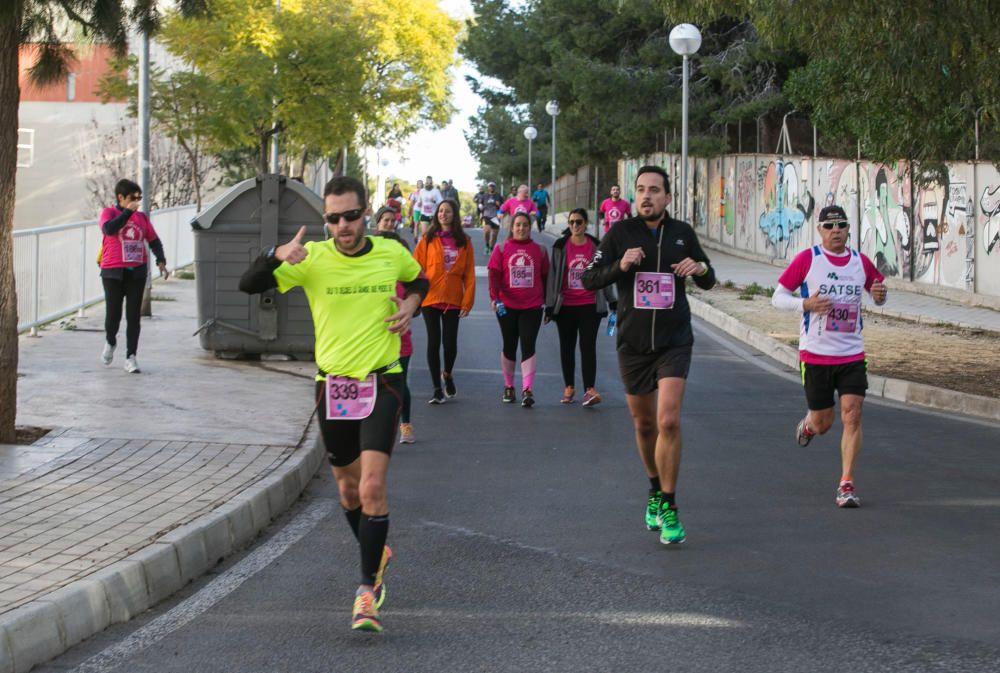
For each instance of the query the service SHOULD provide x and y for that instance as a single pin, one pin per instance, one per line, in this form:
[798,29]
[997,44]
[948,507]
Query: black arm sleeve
[603,270]
[157,248]
[419,286]
[706,282]
[260,276]
[111,227]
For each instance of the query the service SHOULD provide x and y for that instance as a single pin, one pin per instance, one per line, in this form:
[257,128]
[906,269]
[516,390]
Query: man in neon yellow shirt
[350,282]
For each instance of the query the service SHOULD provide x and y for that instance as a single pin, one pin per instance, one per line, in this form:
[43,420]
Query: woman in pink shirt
[576,310]
[521,203]
[518,270]
[124,268]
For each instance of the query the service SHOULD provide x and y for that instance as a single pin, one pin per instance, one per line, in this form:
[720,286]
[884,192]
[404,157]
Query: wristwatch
[270,253]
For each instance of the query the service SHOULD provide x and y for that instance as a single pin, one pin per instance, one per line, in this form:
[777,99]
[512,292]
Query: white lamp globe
[552,107]
[531,133]
[685,39]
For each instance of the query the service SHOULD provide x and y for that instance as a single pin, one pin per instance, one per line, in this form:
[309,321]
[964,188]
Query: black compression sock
[372,533]
[654,484]
[670,499]
[353,518]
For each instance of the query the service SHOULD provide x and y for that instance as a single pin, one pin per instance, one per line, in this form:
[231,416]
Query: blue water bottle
[501,309]
[612,323]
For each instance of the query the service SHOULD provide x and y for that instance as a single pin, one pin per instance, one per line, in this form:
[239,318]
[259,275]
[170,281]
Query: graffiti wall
[942,234]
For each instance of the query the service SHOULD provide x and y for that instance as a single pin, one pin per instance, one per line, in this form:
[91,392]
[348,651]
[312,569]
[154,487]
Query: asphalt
[149,480]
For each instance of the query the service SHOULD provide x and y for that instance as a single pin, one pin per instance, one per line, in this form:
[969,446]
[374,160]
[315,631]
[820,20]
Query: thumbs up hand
[292,252]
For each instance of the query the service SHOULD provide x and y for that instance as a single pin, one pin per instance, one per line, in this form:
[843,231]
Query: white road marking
[214,591]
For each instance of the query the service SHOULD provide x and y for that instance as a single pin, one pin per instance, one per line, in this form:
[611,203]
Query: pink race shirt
[517,274]
[795,275]
[514,206]
[450,249]
[577,259]
[614,211]
[127,247]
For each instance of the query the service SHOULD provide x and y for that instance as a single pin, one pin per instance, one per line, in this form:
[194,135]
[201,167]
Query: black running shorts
[641,371]
[345,440]
[820,381]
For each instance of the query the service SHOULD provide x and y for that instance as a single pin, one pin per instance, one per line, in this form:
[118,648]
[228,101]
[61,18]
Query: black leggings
[520,325]
[582,320]
[441,326]
[404,362]
[129,289]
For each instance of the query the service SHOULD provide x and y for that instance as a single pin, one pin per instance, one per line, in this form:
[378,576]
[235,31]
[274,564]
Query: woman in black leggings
[577,311]
[445,254]
[123,268]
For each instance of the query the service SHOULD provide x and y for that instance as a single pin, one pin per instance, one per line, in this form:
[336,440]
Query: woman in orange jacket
[445,254]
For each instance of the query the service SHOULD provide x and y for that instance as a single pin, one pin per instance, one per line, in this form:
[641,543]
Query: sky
[442,154]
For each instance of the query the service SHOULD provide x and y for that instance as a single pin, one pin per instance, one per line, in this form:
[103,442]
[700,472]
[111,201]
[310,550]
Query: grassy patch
[184,274]
[161,297]
[753,289]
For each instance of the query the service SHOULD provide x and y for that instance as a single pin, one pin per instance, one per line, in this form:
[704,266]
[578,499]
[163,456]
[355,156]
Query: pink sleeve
[628,209]
[872,274]
[504,209]
[107,215]
[793,277]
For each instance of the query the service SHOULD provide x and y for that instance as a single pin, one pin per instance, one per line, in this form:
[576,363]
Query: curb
[45,628]
[898,390]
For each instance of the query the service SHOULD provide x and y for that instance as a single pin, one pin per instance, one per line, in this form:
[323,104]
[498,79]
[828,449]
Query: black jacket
[557,275]
[649,330]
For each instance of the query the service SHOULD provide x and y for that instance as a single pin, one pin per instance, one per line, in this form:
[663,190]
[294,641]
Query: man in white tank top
[832,278]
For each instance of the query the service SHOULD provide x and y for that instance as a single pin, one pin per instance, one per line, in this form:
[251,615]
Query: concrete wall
[944,236]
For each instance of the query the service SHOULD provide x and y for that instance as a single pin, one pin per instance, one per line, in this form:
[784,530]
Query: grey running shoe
[846,497]
[108,354]
[131,366]
[803,435]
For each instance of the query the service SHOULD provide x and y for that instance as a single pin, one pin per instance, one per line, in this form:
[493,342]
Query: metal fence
[56,271]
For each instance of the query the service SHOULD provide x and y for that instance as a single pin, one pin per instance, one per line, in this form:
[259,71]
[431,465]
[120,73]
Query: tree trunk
[10,95]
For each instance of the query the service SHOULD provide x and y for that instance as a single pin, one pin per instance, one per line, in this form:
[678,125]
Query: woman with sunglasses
[123,259]
[445,254]
[518,271]
[576,310]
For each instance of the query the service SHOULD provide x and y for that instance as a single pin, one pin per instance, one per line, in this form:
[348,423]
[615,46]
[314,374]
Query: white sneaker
[131,366]
[108,354]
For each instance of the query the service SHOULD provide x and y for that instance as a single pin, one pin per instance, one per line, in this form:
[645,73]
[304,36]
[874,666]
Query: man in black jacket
[649,257]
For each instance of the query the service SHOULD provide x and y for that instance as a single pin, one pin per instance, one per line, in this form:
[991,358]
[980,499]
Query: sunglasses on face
[349,215]
[840,224]
[572,222]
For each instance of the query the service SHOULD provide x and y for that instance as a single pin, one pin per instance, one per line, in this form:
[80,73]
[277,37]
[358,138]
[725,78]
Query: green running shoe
[671,528]
[653,511]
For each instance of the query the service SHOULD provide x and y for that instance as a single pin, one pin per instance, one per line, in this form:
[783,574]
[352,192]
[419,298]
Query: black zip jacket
[649,330]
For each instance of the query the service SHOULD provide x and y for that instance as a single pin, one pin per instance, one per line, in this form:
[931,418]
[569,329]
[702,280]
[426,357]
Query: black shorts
[344,440]
[641,371]
[490,221]
[820,381]
[425,218]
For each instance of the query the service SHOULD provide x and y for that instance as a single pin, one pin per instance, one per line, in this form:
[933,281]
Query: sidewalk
[146,482]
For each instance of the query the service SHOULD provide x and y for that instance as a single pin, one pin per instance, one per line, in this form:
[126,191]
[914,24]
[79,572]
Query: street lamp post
[685,40]
[552,107]
[530,133]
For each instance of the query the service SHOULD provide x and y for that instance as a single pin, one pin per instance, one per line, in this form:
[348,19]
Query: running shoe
[449,385]
[508,395]
[406,433]
[591,397]
[365,614]
[108,354]
[568,393]
[671,528]
[653,511]
[131,366]
[379,589]
[527,398]
[803,435]
[438,397]
[846,497]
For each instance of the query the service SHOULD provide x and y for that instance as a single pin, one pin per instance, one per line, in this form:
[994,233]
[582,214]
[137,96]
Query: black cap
[832,214]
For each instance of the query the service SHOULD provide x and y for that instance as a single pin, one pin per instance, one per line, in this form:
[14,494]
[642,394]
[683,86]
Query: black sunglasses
[840,224]
[572,222]
[349,215]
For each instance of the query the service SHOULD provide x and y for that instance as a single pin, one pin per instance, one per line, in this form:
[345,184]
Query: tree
[39,22]
[320,73]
